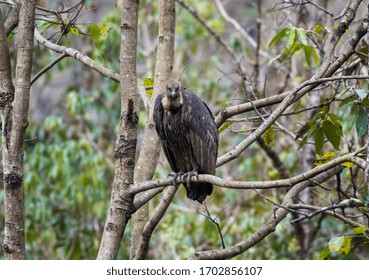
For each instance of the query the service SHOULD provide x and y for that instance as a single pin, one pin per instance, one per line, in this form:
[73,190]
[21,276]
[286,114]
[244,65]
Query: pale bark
[14,114]
[121,203]
[150,149]
[267,228]
[252,185]
[151,224]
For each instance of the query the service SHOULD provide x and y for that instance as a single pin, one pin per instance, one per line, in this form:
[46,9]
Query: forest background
[287,82]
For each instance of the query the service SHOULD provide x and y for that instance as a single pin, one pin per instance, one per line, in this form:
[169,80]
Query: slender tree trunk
[150,149]
[125,146]
[14,114]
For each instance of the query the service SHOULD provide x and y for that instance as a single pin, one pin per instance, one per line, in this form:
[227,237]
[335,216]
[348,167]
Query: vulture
[188,135]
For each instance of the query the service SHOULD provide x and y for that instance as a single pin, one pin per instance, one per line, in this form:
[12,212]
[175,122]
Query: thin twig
[48,67]
[215,221]
[347,203]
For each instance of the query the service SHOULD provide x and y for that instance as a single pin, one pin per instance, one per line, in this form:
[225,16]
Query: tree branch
[205,178]
[15,122]
[12,21]
[150,148]
[153,222]
[347,203]
[266,229]
[292,96]
[121,203]
[76,55]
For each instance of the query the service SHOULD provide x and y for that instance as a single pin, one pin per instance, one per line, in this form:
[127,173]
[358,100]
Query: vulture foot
[174,178]
[188,177]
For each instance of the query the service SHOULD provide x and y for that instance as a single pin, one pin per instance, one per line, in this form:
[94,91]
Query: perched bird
[188,135]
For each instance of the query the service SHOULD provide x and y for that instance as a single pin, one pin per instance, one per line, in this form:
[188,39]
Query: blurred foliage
[69,152]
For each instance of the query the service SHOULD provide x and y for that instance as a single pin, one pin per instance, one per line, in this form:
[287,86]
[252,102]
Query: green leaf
[360,230]
[347,101]
[324,158]
[324,254]
[301,33]
[311,128]
[104,30]
[309,52]
[307,55]
[314,55]
[362,93]
[332,133]
[347,164]
[328,155]
[95,31]
[149,85]
[361,123]
[74,30]
[353,115]
[346,246]
[336,243]
[285,51]
[319,140]
[291,37]
[275,40]
[268,136]
[225,126]
[337,123]
[295,47]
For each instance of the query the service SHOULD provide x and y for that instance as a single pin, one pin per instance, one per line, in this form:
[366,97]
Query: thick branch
[15,122]
[265,229]
[150,149]
[121,203]
[204,178]
[275,99]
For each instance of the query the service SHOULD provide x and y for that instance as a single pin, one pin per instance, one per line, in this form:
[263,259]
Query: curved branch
[265,229]
[231,111]
[290,182]
[48,67]
[77,55]
[13,19]
[347,203]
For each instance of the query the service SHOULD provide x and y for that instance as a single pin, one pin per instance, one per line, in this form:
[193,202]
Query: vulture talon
[189,175]
[175,176]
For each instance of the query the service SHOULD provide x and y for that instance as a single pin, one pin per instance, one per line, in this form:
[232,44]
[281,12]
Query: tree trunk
[14,115]
[150,149]
[125,146]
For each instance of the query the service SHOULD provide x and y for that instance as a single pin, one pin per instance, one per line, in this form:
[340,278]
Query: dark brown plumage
[188,135]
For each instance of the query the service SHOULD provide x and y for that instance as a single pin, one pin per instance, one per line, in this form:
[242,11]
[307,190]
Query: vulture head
[172,98]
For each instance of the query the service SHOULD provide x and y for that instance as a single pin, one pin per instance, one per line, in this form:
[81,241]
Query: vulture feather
[188,135]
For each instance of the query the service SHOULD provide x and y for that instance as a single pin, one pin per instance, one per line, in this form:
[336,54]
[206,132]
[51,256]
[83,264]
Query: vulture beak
[173,93]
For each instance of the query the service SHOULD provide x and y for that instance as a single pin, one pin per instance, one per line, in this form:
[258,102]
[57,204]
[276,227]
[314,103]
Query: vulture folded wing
[203,134]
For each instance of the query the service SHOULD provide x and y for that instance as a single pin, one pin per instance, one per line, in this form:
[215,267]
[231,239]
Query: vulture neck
[170,104]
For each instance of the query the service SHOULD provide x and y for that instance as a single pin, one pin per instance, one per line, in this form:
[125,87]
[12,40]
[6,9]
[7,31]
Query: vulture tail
[199,191]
